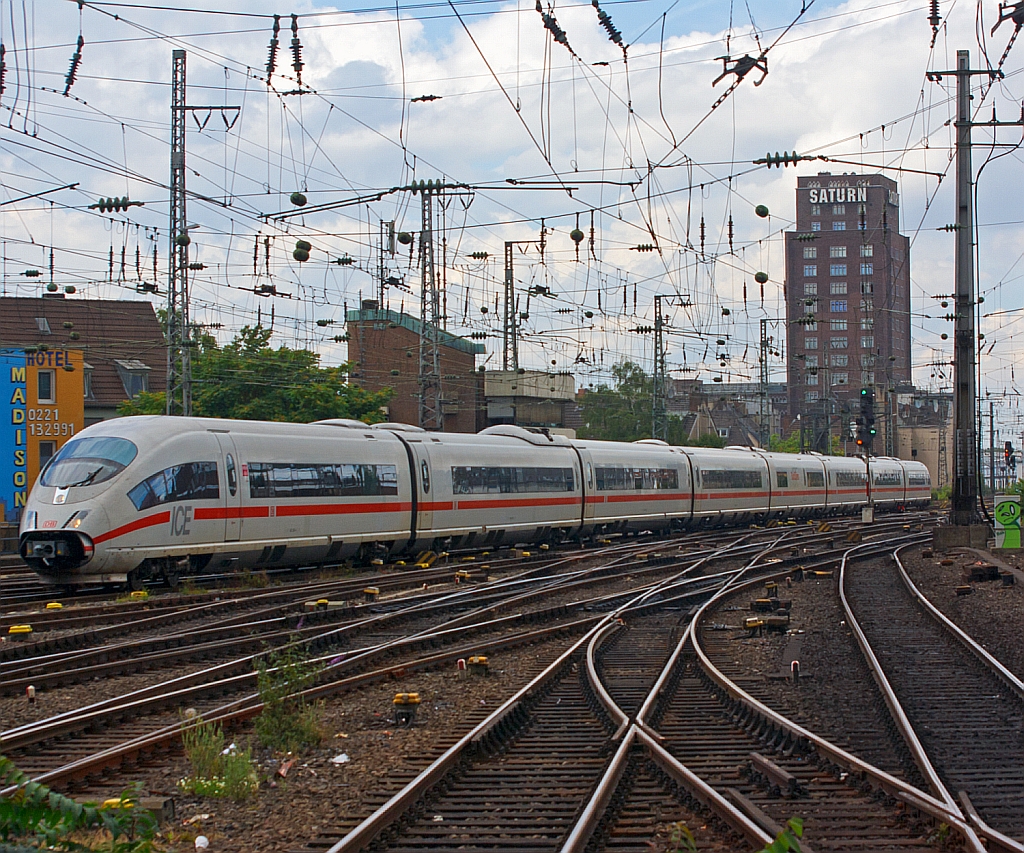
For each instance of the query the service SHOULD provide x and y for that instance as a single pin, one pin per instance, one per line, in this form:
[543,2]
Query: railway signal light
[1009,455]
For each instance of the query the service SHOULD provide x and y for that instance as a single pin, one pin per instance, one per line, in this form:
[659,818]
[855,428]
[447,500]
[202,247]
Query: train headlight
[79,518]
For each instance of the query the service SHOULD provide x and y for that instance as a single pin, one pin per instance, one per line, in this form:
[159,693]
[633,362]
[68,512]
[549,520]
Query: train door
[231,487]
[424,490]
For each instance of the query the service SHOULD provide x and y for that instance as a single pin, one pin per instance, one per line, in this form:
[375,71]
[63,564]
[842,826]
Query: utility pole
[431,396]
[387,248]
[992,445]
[964,511]
[179,334]
[179,360]
[764,427]
[659,413]
[509,330]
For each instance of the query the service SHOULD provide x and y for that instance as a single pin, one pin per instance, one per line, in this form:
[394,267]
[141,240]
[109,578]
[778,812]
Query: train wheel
[173,578]
[134,582]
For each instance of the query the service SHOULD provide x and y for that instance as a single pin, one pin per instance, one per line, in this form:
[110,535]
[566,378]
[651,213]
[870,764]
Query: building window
[867,360]
[810,252]
[837,305]
[87,381]
[867,324]
[840,378]
[723,432]
[838,325]
[810,270]
[815,210]
[134,376]
[815,226]
[812,378]
[867,287]
[811,396]
[811,361]
[868,377]
[43,326]
[867,269]
[46,451]
[840,360]
[839,343]
[837,288]
[867,303]
[810,288]
[867,250]
[837,252]
[811,326]
[839,225]
[44,385]
[810,343]
[839,210]
[837,270]
[867,341]
[812,305]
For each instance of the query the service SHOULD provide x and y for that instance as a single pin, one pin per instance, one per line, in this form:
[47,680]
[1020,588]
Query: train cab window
[192,481]
[426,476]
[89,461]
[229,466]
[782,479]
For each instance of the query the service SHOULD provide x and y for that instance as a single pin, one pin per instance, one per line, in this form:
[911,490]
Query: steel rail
[920,800]
[999,839]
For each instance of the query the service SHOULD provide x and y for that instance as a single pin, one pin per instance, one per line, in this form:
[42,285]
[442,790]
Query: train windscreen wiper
[85,481]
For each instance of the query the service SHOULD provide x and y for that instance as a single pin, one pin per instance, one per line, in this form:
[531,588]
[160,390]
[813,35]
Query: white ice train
[145,497]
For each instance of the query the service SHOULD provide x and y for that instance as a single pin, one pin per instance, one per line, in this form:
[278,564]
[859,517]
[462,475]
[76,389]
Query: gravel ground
[317,794]
[991,614]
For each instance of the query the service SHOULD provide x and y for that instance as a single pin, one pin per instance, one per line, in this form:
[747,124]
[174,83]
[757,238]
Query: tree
[624,413]
[249,380]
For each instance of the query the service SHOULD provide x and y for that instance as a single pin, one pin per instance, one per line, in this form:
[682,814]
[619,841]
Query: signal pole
[964,511]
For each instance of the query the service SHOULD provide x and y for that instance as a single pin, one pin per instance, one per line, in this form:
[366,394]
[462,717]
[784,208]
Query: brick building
[121,342]
[384,349]
[847,296]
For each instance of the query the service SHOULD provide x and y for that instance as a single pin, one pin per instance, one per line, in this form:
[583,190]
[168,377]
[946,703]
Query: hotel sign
[839,195]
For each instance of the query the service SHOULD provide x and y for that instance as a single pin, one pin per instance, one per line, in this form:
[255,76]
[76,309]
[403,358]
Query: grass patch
[288,722]
[216,771]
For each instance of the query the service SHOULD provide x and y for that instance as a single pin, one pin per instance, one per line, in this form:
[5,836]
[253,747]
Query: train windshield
[88,461]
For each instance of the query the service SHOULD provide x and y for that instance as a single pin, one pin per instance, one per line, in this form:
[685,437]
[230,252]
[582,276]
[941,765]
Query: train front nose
[55,554]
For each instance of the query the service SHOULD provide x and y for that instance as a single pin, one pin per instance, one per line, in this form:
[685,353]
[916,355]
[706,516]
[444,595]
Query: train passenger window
[481,480]
[735,479]
[232,478]
[426,476]
[308,479]
[815,479]
[590,476]
[782,479]
[636,479]
[193,481]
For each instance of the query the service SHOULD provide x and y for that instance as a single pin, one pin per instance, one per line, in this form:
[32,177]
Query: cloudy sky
[547,122]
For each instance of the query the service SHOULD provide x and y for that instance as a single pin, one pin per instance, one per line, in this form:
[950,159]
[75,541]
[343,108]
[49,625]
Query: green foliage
[287,722]
[249,380]
[1015,488]
[37,818]
[787,839]
[681,840]
[944,493]
[216,771]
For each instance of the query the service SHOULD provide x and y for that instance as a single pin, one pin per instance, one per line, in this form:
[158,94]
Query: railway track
[961,711]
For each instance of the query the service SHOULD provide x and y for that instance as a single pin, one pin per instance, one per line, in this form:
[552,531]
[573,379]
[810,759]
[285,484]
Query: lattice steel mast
[431,396]
[179,361]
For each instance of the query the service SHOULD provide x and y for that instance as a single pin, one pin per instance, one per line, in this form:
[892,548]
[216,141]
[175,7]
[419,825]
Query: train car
[729,485]
[919,484]
[797,484]
[646,485]
[136,498]
[888,482]
[501,486]
[847,481]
